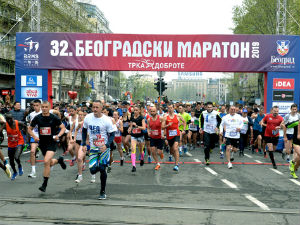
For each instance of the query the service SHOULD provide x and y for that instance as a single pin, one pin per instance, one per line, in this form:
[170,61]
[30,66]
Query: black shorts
[78,142]
[49,147]
[272,140]
[173,140]
[125,132]
[158,143]
[256,133]
[233,142]
[146,136]
[193,131]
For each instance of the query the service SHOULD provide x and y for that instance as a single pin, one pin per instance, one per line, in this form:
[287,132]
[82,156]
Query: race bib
[154,132]
[136,131]
[232,133]
[118,134]
[243,131]
[210,127]
[125,124]
[13,138]
[45,131]
[192,127]
[275,132]
[172,133]
[98,142]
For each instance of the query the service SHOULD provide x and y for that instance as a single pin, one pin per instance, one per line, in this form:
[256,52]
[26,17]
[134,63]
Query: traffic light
[157,86]
[163,86]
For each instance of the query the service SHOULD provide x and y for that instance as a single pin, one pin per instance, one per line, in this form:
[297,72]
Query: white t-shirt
[98,129]
[245,125]
[192,126]
[231,123]
[289,119]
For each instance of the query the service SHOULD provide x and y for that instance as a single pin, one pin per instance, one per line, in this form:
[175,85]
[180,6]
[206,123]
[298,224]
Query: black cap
[125,103]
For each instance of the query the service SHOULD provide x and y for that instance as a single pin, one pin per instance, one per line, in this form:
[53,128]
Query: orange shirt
[14,136]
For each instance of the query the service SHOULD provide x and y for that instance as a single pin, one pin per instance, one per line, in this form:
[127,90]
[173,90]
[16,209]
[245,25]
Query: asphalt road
[250,193]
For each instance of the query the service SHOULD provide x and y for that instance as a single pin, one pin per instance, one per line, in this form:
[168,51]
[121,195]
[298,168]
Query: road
[250,193]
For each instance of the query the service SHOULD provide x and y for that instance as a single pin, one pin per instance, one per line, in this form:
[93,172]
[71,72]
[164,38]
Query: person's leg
[103,179]
[32,159]
[141,145]
[271,148]
[11,155]
[133,153]
[2,156]
[206,140]
[18,153]
[47,164]
[81,155]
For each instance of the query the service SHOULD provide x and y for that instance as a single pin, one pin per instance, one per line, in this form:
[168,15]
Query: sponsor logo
[283,47]
[283,96]
[283,83]
[31,57]
[31,80]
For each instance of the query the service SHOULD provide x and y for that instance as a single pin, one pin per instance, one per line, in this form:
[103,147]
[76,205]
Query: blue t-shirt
[120,112]
[256,125]
[222,114]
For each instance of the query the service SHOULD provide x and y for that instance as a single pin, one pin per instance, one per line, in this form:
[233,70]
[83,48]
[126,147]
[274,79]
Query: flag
[91,82]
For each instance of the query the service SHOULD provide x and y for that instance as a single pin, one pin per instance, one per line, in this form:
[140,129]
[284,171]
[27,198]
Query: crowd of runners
[94,134]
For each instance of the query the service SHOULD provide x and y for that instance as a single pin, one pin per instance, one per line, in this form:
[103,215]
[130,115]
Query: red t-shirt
[272,122]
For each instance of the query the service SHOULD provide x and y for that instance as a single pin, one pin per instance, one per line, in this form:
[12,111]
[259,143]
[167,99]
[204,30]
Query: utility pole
[281,17]
[35,16]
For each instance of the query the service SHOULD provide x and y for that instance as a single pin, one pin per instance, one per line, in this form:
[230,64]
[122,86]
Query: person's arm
[121,126]
[62,131]
[201,121]
[110,139]
[143,127]
[69,135]
[263,122]
[84,136]
[30,132]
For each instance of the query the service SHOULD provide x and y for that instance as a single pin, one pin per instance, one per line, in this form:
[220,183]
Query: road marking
[197,160]
[296,182]
[211,171]
[230,184]
[249,156]
[188,154]
[258,161]
[257,202]
[276,171]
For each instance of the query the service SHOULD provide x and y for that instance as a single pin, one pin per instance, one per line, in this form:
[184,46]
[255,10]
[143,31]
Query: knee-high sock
[133,158]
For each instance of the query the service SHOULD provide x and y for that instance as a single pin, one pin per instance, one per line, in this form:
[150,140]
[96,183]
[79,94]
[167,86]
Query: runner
[209,122]
[73,122]
[222,139]
[126,121]
[155,134]
[245,131]
[47,125]
[101,134]
[258,133]
[232,124]
[273,122]
[15,142]
[171,123]
[137,124]
[118,136]
[289,119]
[295,163]
[184,131]
[193,131]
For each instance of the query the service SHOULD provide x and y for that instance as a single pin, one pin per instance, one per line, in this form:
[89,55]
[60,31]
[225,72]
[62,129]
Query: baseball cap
[125,103]
[245,110]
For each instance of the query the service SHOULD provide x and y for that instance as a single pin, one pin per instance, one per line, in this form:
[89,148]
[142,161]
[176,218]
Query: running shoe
[229,165]
[185,150]
[288,158]
[43,188]
[124,150]
[161,156]
[102,196]
[61,162]
[21,171]
[5,162]
[25,147]
[170,158]
[72,162]
[275,167]
[142,162]
[207,162]
[260,151]
[265,155]
[157,167]
[167,149]
[292,166]
[221,155]
[283,155]
[78,179]
[188,154]
[108,169]
[93,179]
[32,175]
[133,169]
[13,177]
[37,155]
[7,171]
[176,168]
[149,159]
[121,162]
[294,175]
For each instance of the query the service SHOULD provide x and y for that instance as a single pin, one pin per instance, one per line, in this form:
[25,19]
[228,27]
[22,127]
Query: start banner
[130,52]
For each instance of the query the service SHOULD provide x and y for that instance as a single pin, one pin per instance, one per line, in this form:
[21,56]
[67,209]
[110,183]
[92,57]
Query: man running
[184,131]
[210,121]
[232,124]
[155,134]
[101,134]
[47,126]
[295,163]
[273,122]
[171,123]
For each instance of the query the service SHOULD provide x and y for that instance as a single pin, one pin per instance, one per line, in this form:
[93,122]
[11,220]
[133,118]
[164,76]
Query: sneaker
[108,169]
[5,162]
[93,179]
[292,166]
[142,162]
[260,151]
[176,168]
[157,167]
[288,159]
[207,162]
[294,175]
[170,158]
[133,169]
[185,150]
[72,162]
[188,154]
[102,196]
[161,156]
[283,155]
[221,155]
[265,155]
[231,159]
[167,149]
[7,171]
[32,175]
[124,150]
[229,165]
[21,171]
[121,162]
[25,147]
[62,163]
[37,155]
[13,177]
[78,179]
[275,167]
[42,188]
[149,159]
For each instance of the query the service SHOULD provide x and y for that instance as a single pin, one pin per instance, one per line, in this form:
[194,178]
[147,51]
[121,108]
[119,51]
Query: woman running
[118,136]
[125,134]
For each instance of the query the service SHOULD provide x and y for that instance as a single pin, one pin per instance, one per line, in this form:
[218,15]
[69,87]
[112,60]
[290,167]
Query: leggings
[14,155]
[210,141]
[243,142]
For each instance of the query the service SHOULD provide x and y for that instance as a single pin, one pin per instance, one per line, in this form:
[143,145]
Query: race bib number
[210,127]
[154,132]
[232,133]
[275,132]
[173,133]
[98,142]
[13,138]
[45,131]
[243,131]
[192,127]
[118,133]
[125,124]
[136,131]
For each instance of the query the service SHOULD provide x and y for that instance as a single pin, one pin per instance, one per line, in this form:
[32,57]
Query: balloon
[72,94]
